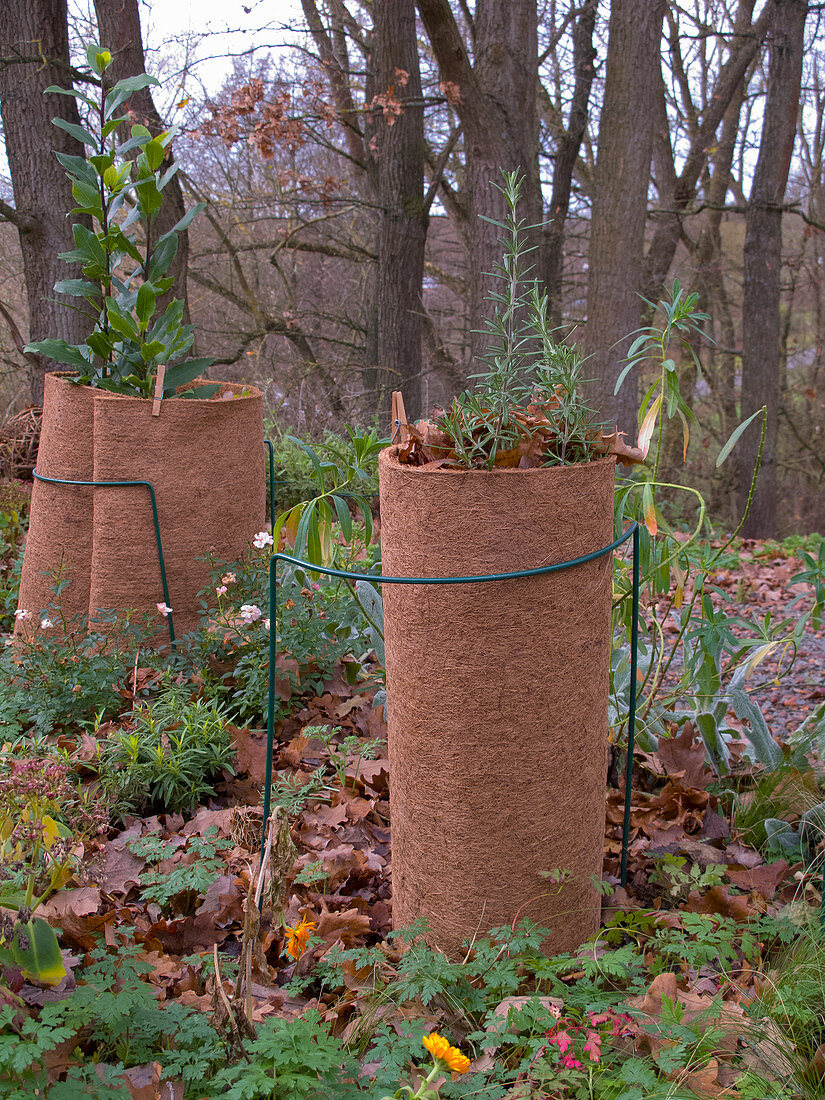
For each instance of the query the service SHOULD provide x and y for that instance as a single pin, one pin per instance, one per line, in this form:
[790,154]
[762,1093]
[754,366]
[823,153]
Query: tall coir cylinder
[205,459]
[497,696]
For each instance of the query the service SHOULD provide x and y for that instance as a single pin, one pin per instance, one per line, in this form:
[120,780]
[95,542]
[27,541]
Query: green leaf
[60,352]
[344,517]
[145,304]
[624,373]
[154,153]
[121,321]
[746,710]
[124,88]
[78,288]
[101,344]
[78,132]
[37,952]
[735,434]
[182,373]
[78,168]
[162,255]
[73,92]
[188,217]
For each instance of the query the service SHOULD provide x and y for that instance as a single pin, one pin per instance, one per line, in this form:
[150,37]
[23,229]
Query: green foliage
[168,756]
[523,364]
[196,867]
[291,1059]
[296,479]
[318,625]
[343,475]
[679,878]
[125,266]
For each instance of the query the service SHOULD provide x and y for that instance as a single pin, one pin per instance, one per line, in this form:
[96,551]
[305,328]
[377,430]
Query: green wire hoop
[632,531]
[128,484]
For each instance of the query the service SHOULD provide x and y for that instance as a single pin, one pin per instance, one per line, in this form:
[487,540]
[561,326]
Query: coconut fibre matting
[497,696]
[205,459]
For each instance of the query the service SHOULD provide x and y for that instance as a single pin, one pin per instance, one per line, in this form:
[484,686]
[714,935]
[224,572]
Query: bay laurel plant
[124,262]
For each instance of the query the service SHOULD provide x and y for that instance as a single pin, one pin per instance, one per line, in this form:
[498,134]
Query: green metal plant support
[128,484]
[632,531]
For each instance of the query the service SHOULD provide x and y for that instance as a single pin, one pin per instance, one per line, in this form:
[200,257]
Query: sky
[207,34]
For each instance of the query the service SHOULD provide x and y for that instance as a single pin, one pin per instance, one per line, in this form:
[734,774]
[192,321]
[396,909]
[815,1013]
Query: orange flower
[298,937]
[441,1051]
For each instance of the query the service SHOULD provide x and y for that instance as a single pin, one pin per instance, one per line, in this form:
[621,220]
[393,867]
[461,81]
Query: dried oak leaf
[683,758]
[764,879]
[614,444]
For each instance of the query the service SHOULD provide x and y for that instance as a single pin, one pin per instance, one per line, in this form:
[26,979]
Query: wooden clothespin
[158,390]
[400,432]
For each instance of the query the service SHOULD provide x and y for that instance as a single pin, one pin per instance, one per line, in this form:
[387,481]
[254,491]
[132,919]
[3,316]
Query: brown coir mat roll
[205,459]
[59,539]
[497,696]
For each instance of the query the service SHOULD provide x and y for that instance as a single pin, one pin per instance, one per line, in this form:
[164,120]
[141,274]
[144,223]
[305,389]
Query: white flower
[221,590]
[266,624]
[22,614]
[164,609]
[250,613]
[46,624]
[262,539]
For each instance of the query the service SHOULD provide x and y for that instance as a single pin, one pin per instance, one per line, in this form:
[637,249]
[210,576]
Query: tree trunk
[403,227]
[119,25]
[761,325]
[496,102]
[616,257]
[34,53]
[567,154]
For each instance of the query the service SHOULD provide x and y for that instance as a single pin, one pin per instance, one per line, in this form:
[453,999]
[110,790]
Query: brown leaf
[346,926]
[250,747]
[720,900]
[764,879]
[122,868]
[76,903]
[683,757]
[148,1083]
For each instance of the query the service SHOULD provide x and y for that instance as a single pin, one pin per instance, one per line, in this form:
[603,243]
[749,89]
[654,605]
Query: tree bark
[119,24]
[761,322]
[584,56]
[496,102]
[34,53]
[403,224]
[616,257]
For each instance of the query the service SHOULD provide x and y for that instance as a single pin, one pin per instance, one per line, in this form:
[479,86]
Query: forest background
[348,166]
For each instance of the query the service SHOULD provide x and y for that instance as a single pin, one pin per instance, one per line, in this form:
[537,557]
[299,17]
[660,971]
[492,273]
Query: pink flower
[221,590]
[262,539]
[570,1063]
[164,609]
[21,614]
[266,624]
[250,613]
[46,624]
[230,578]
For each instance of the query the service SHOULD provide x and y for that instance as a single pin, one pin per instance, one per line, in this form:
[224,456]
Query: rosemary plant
[526,407]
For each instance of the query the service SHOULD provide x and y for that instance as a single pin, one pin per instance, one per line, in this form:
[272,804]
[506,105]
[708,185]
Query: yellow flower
[441,1051]
[298,937]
